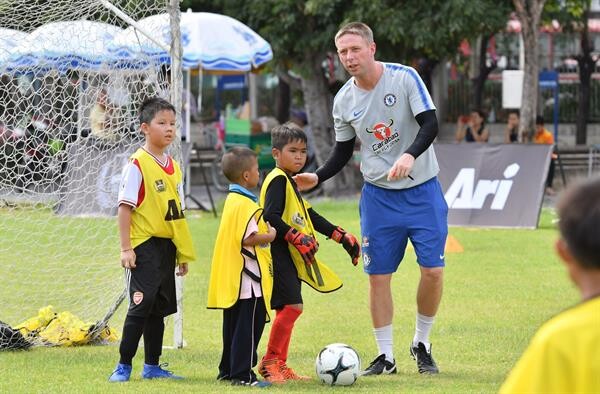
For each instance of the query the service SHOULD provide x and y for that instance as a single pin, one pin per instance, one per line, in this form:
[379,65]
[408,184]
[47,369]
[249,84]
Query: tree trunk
[529,14]
[282,103]
[586,67]
[482,75]
[425,68]
[583,110]
[318,103]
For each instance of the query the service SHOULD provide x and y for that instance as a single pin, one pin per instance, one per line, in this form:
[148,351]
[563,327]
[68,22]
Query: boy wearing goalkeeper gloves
[241,272]
[293,250]
[154,238]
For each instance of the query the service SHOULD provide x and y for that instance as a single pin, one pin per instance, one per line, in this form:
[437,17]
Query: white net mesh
[67,126]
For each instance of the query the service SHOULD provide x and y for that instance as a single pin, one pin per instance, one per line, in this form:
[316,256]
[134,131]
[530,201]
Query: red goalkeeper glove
[305,244]
[349,243]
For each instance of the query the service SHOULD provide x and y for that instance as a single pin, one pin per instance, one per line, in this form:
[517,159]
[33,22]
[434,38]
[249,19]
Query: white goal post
[68,123]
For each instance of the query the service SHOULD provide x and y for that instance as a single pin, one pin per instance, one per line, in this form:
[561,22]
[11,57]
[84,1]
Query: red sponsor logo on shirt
[381,131]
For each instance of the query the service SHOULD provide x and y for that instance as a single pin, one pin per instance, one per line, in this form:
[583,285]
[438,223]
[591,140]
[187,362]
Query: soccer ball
[338,365]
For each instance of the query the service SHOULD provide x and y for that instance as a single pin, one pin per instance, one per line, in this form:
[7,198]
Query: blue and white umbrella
[9,39]
[80,44]
[212,41]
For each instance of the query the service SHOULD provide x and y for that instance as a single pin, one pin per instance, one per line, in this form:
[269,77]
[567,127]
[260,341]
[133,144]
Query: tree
[573,16]
[433,30]
[301,34]
[529,13]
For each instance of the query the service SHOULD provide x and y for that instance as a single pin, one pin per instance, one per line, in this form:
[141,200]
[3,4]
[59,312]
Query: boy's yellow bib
[295,213]
[228,260]
[160,214]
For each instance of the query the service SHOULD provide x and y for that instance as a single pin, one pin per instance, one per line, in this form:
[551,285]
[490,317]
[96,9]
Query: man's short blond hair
[358,28]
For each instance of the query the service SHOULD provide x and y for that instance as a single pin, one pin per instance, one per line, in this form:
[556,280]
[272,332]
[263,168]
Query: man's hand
[349,242]
[401,168]
[128,258]
[306,180]
[182,269]
[305,244]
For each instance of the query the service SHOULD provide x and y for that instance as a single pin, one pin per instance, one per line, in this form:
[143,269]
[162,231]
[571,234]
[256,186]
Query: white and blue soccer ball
[338,365]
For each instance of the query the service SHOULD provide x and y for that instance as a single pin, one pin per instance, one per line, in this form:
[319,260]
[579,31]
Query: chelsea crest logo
[389,99]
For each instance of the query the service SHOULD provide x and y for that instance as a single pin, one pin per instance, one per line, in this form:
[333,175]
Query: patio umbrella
[9,39]
[79,44]
[210,41]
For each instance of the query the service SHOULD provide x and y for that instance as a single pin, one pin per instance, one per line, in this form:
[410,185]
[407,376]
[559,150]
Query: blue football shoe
[121,373]
[157,372]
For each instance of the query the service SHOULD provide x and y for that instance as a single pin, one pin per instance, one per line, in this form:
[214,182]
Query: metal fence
[594,160]
[460,95]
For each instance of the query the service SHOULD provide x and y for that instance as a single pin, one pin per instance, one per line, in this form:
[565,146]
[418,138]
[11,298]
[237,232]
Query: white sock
[385,341]
[422,330]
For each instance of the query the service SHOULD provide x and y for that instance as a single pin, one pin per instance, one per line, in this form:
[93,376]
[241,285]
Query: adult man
[388,108]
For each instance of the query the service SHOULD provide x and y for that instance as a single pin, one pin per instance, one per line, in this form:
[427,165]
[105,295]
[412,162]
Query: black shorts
[286,285]
[151,283]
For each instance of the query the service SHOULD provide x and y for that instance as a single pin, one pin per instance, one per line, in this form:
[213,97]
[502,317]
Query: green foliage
[496,294]
[569,13]
[296,30]
[432,29]
[299,29]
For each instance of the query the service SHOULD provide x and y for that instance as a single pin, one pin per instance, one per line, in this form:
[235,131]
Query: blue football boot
[157,372]
[121,373]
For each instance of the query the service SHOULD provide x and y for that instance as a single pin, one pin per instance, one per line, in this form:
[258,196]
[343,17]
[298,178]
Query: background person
[511,131]
[564,354]
[472,128]
[387,106]
[543,136]
[102,119]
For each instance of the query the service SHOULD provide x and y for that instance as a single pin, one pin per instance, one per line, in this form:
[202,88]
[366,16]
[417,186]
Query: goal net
[68,123]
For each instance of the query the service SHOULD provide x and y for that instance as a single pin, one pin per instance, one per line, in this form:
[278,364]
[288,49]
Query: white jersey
[383,119]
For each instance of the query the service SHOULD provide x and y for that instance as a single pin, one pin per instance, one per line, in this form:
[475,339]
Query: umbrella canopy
[65,45]
[212,41]
[9,39]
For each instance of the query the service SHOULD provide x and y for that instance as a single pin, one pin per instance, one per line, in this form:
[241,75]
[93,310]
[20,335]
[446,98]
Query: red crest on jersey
[381,131]
[138,296]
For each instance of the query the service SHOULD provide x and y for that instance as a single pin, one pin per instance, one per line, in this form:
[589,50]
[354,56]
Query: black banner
[491,185]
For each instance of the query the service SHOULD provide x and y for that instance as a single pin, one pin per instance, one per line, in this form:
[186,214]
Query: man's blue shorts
[388,218]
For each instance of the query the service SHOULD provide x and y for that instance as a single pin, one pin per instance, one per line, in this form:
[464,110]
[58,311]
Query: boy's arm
[321,224]
[124,219]
[182,269]
[258,239]
[275,204]
[338,234]
[306,245]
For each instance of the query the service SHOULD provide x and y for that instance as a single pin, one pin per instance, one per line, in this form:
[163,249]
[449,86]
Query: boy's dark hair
[539,120]
[515,111]
[236,161]
[284,134]
[151,106]
[579,213]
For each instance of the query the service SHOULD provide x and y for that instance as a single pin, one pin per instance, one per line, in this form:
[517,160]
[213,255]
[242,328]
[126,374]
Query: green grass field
[497,293]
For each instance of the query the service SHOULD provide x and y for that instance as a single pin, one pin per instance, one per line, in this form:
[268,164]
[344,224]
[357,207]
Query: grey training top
[383,119]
